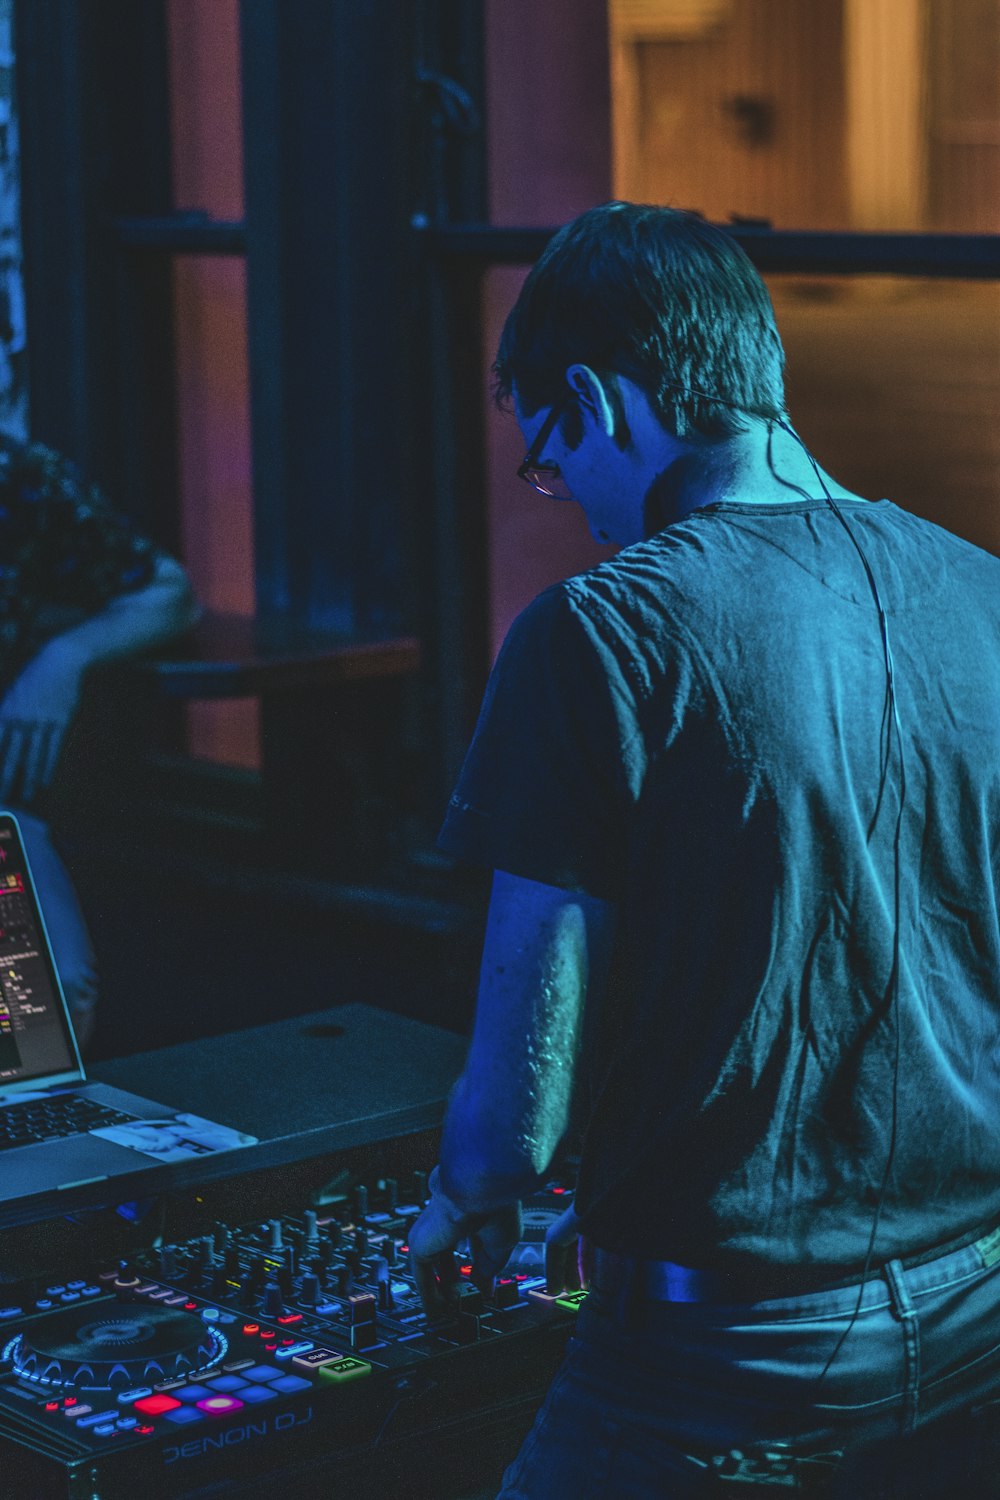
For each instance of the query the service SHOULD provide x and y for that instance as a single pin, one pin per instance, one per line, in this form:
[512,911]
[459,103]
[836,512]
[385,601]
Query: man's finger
[12,740]
[55,734]
[35,759]
[491,1245]
[437,1280]
[561,1271]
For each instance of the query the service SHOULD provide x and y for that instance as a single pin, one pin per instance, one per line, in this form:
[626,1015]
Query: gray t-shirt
[699,730]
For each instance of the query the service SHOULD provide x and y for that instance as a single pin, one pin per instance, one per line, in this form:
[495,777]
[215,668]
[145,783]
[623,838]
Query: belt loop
[905,1311]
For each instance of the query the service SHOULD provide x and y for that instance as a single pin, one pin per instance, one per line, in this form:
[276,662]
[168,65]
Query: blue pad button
[184,1414]
[223,1383]
[191,1393]
[252,1394]
[289,1383]
[261,1372]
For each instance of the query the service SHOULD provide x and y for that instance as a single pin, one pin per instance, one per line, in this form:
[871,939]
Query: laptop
[57,1130]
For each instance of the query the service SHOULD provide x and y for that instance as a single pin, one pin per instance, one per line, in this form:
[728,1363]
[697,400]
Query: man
[78,587]
[741,791]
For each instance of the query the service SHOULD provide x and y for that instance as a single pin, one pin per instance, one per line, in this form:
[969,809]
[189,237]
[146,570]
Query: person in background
[78,587]
[740,788]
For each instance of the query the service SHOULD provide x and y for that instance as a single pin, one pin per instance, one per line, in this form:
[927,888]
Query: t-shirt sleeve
[556,764]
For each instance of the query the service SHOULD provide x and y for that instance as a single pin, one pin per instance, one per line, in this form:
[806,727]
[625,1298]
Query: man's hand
[35,714]
[437,1232]
[565,1254]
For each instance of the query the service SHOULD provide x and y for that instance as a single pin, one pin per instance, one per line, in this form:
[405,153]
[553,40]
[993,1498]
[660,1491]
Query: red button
[268,1333]
[145,1430]
[290,1318]
[190,1306]
[53,1405]
[249,1328]
[155,1406]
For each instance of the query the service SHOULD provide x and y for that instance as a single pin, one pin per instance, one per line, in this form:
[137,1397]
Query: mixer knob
[273,1306]
[390,1189]
[310,1289]
[359,1203]
[204,1251]
[420,1187]
[274,1236]
[168,1262]
[379,1268]
[291,1258]
[220,1238]
[285,1280]
[231,1261]
[334,1233]
[345,1281]
[361,1241]
[311,1226]
[391,1248]
[353,1259]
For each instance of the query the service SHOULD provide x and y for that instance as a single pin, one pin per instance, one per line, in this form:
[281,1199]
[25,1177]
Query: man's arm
[38,708]
[545,950]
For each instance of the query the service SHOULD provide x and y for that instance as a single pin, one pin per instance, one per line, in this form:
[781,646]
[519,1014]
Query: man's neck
[762,466]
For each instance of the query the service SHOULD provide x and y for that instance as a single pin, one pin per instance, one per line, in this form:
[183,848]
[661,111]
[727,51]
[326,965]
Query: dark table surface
[305,1087]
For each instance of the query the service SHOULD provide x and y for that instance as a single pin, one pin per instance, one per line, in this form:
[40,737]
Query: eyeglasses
[547,479]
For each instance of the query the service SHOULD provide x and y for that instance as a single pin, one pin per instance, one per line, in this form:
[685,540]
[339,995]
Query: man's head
[656,295]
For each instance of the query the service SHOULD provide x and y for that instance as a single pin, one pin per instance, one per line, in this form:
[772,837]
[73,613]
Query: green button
[344,1369]
[571,1300]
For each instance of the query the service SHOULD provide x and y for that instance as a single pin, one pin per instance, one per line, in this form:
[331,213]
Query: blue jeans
[646,1401]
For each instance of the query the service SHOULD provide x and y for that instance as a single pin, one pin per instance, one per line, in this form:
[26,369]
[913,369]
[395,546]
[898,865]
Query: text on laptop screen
[34,1034]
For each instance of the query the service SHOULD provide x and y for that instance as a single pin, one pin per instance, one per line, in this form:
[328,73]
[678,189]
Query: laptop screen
[35,1037]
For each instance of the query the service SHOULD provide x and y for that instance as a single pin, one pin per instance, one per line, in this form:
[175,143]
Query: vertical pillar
[885,66]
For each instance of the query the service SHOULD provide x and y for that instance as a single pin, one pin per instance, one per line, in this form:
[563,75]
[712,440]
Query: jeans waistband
[614,1274]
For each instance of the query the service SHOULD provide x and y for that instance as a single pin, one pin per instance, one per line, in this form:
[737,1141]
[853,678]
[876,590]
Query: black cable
[892,988]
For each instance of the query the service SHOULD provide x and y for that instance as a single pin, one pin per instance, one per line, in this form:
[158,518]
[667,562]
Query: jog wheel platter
[93,1349]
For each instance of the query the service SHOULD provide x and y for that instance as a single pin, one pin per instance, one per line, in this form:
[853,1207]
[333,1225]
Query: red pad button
[155,1406]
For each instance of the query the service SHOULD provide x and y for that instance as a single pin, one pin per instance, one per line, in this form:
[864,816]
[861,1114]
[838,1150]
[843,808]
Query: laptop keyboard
[50,1119]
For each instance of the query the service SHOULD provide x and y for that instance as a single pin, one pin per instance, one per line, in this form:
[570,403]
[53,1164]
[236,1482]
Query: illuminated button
[191,1392]
[251,1328]
[315,1357]
[90,1291]
[95,1418]
[11,1312]
[225,1383]
[145,1429]
[571,1300]
[231,1366]
[156,1406]
[70,1297]
[260,1373]
[177,1299]
[348,1368]
[290,1318]
[52,1406]
[76,1286]
[80,1410]
[300,1348]
[70,1400]
[104,1429]
[161,1294]
[125,1424]
[135,1394]
[44,1303]
[267,1333]
[190,1306]
[210,1314]
[252,1395]
[220,1406]
[325,1308]
[289,1383]
[182,1415]
[54,1291]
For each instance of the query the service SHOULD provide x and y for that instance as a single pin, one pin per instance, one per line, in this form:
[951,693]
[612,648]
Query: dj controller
[291,1353]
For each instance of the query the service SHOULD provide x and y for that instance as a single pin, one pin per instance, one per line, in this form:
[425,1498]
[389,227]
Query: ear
[592,397]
